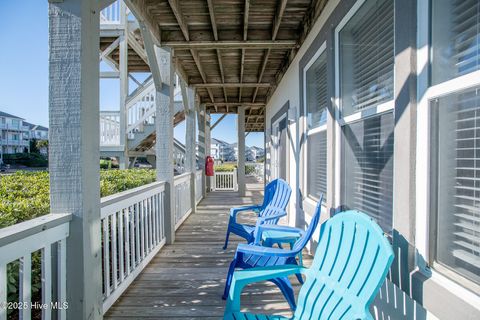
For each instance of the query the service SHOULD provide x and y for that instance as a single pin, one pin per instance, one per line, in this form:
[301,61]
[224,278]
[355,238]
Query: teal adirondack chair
[350,265]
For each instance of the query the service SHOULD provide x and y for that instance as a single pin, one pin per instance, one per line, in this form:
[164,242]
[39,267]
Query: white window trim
[423,175]
[309,132]
[340,121]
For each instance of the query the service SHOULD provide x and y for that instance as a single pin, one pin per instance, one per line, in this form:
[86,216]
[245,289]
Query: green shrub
[249,169]
[224,167]
[26,159]
[26,195]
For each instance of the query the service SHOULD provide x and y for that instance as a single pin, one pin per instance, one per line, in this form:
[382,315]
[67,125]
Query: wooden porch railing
[46,235]
[183,202]
[109,128]
[225,181]
[111,14]
[132,233]
[198,186]
[132,229]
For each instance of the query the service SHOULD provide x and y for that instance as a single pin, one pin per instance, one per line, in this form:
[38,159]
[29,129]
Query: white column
[123,68]
[241,150]
[201,144]
[190,158]
[74,147]
[164,140]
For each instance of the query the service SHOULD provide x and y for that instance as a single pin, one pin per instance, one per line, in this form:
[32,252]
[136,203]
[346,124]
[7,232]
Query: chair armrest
[235,211]
[272,227]
[243,277]
[263,251]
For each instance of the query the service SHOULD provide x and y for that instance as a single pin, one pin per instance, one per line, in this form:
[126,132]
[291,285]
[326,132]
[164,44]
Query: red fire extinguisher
[209,162]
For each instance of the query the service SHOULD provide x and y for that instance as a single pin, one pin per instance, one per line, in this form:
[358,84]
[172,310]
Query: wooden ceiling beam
[234,104]
[245,37]
[198,63]
[230,85]
[175,6]
[249,44]
[215,36]
[212,19]
[139,10]
[277,20]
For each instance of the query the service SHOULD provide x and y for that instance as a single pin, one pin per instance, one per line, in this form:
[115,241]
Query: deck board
[186,280]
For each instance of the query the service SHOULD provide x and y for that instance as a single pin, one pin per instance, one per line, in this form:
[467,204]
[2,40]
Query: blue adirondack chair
[276,197]
[251,256]
[351,263]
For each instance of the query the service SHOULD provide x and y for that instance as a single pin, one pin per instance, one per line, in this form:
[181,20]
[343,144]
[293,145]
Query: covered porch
[185,280]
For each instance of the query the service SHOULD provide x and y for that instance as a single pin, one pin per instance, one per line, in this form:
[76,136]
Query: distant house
[222,150]
[251,153]
[14,134]
[39,133]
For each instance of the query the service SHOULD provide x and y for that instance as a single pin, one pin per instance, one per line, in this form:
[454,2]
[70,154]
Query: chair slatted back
[350,264]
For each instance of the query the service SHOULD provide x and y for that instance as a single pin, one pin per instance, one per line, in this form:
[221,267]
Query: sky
[24,71]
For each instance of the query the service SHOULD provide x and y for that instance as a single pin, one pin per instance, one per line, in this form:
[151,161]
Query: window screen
[455,38]
[316,99]
[458,186]
[317,165]
[316,106]
[368,168]
[367,57]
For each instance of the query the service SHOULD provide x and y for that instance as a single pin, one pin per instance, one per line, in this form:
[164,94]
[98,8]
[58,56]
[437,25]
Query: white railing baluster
[106,257]
[25,279]
[127,241]
[3,290]
[142,228]
[137,233]
[154,220]
[47,281]
[62,278]
[121,258]
[114,251]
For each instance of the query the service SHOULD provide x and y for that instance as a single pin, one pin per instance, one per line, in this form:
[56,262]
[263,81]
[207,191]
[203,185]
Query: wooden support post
[74,147]
[201,143]
[190,161]
[123,69]
[208,143]
[164,141]
[241,150]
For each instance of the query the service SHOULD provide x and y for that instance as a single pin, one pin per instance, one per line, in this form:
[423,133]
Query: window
[454,105]
[458,182]
[315,81]
[365,61]
[368,167]
[455,38]
[367,57]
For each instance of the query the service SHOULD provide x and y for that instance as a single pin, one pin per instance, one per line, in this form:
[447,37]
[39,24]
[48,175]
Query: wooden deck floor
[186,280]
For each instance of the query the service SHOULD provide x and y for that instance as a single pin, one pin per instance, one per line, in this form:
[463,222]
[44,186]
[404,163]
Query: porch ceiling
[233,51]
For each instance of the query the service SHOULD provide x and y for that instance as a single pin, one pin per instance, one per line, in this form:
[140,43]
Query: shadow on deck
[186,280]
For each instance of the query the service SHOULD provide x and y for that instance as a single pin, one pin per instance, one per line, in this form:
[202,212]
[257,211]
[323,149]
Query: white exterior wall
[437,289]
